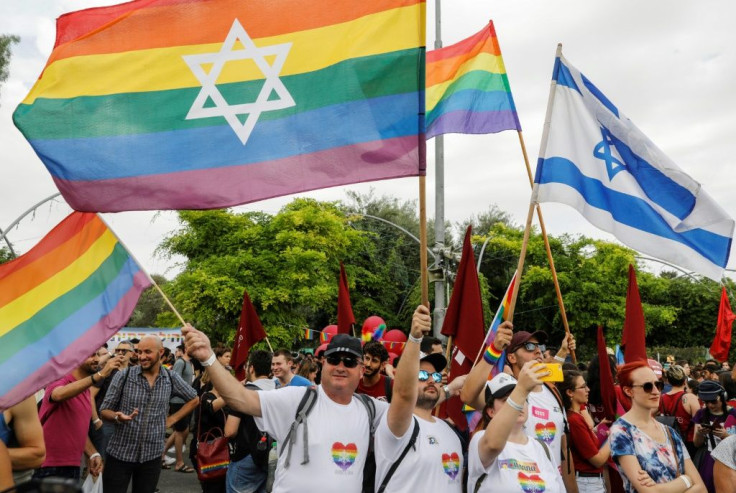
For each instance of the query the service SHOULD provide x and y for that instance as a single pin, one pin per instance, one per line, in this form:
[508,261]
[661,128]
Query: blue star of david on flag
[602,151]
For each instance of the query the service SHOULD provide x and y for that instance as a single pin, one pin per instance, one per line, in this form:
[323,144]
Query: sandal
[164,465]
[184,468]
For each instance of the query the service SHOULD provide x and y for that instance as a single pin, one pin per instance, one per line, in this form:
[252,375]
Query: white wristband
[418,340]
[687,482]
[209,361]
[560,359]
[96,421]
[96,454]
[514,405]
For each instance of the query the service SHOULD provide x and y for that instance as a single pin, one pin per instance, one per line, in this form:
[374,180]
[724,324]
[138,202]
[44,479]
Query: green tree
[6,42]
[150,305]
[289,263]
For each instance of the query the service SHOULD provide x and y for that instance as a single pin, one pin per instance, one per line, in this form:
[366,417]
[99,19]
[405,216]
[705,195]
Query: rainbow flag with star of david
[199,104]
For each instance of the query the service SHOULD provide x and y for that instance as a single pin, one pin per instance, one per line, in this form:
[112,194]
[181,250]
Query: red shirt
[583,443]
[377,390]
[65,425]
[683,418]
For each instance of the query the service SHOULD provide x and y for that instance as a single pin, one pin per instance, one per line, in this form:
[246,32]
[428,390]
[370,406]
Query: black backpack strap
[478,483]
[395,465]
[370,407]
[388,388]
[302,411]
[546,449]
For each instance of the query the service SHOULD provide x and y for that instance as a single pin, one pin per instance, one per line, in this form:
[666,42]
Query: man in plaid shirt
[138,403]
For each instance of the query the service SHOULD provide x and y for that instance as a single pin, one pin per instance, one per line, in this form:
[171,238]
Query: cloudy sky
[669,65]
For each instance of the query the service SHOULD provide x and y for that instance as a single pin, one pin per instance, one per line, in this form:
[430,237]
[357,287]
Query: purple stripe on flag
[68,359]
[233,185]
[473,122]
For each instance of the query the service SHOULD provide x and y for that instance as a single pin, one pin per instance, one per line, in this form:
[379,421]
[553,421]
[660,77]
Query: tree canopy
[289,264]
[6,42]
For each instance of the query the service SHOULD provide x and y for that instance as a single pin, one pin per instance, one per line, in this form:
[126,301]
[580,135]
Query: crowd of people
[347,418]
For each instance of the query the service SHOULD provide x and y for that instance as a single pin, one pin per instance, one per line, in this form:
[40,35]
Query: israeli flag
[596,160]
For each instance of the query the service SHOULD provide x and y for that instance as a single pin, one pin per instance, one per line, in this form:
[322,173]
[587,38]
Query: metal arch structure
[4,234]
[404,230]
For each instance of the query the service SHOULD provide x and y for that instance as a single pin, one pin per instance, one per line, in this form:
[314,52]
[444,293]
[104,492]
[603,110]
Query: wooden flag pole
[547,248]
[520,265]
[423,240]
[158,288]
[270,348]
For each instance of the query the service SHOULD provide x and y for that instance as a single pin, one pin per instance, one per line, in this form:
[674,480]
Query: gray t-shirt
[185,370]
[725,452]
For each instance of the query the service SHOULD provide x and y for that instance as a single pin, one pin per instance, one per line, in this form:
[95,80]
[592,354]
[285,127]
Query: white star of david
[272,82]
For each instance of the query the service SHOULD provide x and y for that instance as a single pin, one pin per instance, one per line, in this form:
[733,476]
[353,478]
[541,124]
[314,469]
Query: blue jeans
[244,476]
[69,472]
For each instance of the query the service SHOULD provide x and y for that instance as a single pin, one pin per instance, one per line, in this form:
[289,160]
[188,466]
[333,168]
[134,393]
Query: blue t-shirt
[296,381]
[654,457]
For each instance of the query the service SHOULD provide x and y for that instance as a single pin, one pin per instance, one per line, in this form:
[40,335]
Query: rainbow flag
[502,314]
[468,90]
[198,104]
[61,301]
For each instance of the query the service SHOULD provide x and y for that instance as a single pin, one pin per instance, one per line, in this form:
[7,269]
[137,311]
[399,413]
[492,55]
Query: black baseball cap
[343,343]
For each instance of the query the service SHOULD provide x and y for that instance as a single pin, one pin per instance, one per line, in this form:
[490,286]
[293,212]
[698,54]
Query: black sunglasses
[532,346]
[348,361]
[649,386]
[424,376]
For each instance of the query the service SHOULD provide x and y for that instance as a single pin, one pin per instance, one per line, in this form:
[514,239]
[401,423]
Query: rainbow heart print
[451,464]
[546,431]
[344,455]
[531,484]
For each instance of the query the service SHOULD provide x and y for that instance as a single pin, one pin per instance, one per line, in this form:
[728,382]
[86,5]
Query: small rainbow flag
[500,316]
[61,301]
[201,104]
[468,90]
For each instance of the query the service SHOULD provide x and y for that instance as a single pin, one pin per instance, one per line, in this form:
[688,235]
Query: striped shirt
[142,439]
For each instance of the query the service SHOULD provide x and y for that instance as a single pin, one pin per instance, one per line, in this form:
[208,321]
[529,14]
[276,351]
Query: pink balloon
[328,332]
[371,323]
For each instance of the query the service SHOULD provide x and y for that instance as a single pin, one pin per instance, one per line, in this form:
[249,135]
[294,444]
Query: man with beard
[374,383]
[137,402]
[65,415]
[428,452]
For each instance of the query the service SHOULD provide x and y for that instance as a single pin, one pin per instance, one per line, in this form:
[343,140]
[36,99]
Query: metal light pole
[439,201]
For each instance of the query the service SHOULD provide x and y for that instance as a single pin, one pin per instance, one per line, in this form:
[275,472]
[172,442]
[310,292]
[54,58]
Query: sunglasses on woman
[649,386]
[424,376]
[347,360]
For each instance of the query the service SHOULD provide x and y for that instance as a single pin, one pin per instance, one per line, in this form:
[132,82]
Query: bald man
[137,402]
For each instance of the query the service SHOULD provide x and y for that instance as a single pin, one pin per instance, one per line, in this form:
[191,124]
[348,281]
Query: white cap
[501,385]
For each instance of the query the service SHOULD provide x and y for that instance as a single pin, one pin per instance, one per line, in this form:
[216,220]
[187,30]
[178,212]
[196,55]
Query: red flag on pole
[345,317]
[608,388]
[722,341]
[633,341]
[464,322]
[250,331]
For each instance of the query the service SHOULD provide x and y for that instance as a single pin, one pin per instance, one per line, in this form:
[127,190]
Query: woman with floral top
[651,456]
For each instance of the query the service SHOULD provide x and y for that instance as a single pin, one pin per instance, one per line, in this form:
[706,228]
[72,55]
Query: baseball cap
[656,367]
[321,349]
[709,390]
[500,386]
[435,359]
[522,337]
[343,343]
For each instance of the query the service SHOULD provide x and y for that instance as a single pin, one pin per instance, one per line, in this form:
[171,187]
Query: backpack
[259,442]
[369,470]
[668,418]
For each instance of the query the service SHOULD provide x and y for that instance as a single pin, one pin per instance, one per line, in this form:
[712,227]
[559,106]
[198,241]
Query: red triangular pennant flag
[633,340]
[250,331]
[464,322]
[722,341]
[345,317]
[608,388]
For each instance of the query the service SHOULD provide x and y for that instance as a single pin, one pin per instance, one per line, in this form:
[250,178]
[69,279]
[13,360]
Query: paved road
[176,482]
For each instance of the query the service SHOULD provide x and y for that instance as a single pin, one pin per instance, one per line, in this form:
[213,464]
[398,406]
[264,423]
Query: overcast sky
[669,65]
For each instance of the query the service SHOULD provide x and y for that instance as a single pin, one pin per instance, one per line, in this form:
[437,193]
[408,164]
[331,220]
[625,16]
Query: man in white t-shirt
[547,417]
[434,463]
[724,468]
[337,428]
